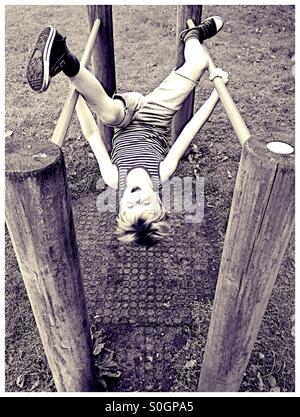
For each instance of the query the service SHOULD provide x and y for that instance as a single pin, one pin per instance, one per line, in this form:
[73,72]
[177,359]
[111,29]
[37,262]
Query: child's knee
[112,119]
[111,114]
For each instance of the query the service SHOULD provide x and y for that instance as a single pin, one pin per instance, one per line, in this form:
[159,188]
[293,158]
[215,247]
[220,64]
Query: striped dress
[139,145]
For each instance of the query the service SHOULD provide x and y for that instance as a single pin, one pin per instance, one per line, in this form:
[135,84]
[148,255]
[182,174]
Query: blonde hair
[146,229]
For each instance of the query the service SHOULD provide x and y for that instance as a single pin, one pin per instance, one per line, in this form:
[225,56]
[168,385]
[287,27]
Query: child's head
[142,219]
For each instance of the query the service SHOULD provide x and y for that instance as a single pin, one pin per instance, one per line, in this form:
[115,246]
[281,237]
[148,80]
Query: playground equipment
[40,223]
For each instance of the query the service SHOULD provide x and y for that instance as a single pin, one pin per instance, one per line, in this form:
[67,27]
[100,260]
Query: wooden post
[40,223]
[104,59]
[260,224]
[185,113]
[66,114]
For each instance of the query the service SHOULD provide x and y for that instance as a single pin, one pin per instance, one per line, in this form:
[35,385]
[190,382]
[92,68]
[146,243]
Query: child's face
[137,200]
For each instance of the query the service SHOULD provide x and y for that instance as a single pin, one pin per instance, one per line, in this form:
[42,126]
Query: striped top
[139,145]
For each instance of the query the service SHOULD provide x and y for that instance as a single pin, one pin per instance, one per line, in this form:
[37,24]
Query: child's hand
[217,72]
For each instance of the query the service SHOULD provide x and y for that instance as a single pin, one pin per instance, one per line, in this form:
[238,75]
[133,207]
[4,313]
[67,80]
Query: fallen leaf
[8,133]
[98,348]
[275,389]
[21,380]
[112,365]
[107,357]
[293,331]
[34,385]
[260,386]
[103,383]
[260,383]
[272,381]
[196,174]
[96,335]
[116,374]
[190,364]
[110,370]
[221,234]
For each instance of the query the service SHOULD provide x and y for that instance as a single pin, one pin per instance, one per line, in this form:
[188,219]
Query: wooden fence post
[40,223]
[104,59]
[184,114]
[260,224]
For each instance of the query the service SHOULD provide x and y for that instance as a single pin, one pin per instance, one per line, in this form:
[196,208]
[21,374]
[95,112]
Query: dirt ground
[256,47]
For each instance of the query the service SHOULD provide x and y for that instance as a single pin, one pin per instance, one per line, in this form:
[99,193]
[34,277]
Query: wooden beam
[40,224]
[259,228]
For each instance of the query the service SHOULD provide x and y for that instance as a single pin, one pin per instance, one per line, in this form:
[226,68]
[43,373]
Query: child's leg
[51,56]
[195,60]
[161,105]
[110,111]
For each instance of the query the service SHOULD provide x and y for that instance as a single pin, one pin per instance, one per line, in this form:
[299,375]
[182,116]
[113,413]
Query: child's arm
[169,164]
[91,132]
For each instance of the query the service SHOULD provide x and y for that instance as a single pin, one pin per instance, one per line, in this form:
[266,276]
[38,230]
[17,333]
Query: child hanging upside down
[139,163]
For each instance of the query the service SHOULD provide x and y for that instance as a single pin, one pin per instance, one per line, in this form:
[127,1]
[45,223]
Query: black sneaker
[46,60]
[207,29]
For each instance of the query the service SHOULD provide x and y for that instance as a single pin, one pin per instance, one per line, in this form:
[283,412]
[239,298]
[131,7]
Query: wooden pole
[260,224]
[66,114]
[104,59]
[40,223]
[185,113]
[232,111]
